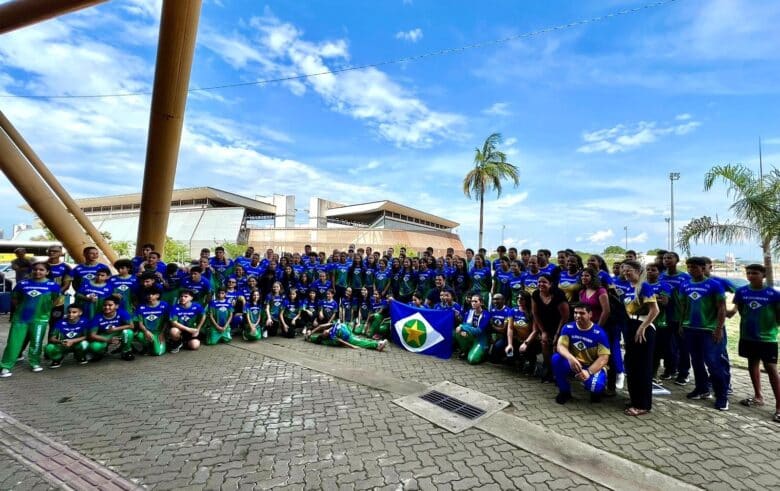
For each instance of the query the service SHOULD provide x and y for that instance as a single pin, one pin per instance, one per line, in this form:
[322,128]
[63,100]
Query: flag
[424,331]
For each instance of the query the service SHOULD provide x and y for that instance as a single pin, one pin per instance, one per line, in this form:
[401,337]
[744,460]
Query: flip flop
[751,402]
[632,411]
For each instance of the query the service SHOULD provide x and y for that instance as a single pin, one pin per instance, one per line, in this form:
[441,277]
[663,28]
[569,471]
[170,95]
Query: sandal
[752,402]
[632,411]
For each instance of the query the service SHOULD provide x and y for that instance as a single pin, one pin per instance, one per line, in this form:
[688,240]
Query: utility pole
[625,229]
[673,176]
[668,233]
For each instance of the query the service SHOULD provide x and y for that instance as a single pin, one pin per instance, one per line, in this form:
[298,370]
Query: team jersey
[187,316]
[407,283]
[363,309]
[499,317]
[321,287]
[480,279]
[585,346]
[347,306]
[153,317]
[661,289]
[503,279]
[221,311]
[255,270]
[127,288]
[222,269]
[291,309]
[340,331]
[519,319]
[700,303]
[275,304]
[358,278]
[638,304]
[35,299]
[329,308]
[91,309]
[552,270]
[425,281]
[60,273]
[569,284]
[380,307]
[382,279]
[728,285]
[455,307]
[84,272]
[201,288]
[605,279]
[64,330]
[758,313]
[674,307]
[620,285]
[101,323]
[254,312]
[515,287]
[459,281]
[531,281]
[243,261]
[341,274]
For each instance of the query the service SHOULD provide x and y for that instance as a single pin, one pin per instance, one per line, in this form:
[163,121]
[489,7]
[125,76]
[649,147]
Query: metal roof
[368,212]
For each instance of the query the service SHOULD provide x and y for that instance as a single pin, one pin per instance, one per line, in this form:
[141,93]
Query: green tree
[175,251]
[234,250]
[653,252]
[122,248]
[613,249]
[490,168]
[756,209]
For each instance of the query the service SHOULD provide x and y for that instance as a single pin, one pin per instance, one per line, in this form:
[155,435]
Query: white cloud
[412,35]
[597,237]
[498,109]
[640,238]
[683,117]
[622,138]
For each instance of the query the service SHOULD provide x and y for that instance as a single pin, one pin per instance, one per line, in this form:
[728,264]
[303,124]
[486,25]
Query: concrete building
[206,217]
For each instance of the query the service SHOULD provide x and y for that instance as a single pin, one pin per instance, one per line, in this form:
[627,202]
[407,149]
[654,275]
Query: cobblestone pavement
[14,475]
[229,418]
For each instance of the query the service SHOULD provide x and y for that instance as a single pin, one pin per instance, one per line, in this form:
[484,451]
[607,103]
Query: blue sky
[594,116]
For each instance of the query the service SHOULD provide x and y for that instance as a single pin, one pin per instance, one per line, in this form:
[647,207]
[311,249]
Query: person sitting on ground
[582,352]
[291,315]
[759,312]
[378,322]
[471,337]
[500,322]
[68,335]
[111,330]
[186,321]
[253,328]
[151,320]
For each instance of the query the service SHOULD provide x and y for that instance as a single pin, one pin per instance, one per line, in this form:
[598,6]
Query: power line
[406,59]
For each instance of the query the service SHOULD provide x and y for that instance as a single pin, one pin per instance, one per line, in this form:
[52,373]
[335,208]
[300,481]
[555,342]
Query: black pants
[639,365]
[664,351]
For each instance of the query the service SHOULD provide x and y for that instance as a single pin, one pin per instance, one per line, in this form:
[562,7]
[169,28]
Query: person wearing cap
[151,320]
[582,352]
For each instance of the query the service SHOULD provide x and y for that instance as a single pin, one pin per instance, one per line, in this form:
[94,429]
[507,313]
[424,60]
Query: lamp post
[668,232]
[625,229]
[673,176]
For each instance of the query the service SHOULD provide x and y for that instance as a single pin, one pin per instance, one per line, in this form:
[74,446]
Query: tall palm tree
[756,209]
[490,168]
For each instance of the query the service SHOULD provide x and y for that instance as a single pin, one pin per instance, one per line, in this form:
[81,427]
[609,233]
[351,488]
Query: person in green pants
[340,334]
[220,315]
[253,317]
[151,318]
[68,335]
[33,298]
[377,324]
[471,337]
[112,328]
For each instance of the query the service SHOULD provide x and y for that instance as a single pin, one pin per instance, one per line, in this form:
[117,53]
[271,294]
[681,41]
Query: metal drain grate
[453,405]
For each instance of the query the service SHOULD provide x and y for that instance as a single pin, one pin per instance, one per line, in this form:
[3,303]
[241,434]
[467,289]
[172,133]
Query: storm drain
[451,406]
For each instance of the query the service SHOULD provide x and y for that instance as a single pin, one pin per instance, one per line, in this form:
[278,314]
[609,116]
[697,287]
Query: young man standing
[60,273]
[703,322]
[88,269]
[759,312]
[673,311]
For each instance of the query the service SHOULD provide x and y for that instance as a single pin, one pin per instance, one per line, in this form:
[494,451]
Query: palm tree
[490,168]
[756,209]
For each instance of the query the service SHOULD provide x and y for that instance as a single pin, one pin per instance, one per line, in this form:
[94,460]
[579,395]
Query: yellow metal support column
[55,186]
[41,199]
[178,31]
[22,13]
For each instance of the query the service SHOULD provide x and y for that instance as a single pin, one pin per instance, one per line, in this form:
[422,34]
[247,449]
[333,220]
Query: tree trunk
[770,274]
[481,214]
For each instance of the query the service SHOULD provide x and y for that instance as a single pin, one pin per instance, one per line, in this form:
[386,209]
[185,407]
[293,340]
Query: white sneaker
[265,334]
[620,380]
[5,373]
[37,368]
[21,358]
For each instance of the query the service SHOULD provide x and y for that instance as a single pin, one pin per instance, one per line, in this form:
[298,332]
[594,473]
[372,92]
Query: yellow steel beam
[22,13]
[178,31]
[59,191]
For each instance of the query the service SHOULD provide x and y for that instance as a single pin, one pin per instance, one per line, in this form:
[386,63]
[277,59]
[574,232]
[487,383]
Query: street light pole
[625,229]
[673,176]
[668,231]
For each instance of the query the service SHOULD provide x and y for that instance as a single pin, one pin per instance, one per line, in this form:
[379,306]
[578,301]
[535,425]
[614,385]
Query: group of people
[509,310]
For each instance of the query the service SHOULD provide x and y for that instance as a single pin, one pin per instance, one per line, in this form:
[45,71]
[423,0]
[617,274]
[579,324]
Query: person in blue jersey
[198,285]
[125,285]
[418,301]
[171,283]
[298,265]
[221,265]
[186,318]
[321,285]
[152,264]
[546,267]
[600,266]
[447,302]
[207,272]
[496,264]
[291,315]
[471,336]
[347,307]
[87,269]
[501,277]
[382,279]
[425,278]
[60,273]
[407,282]
[92,292]
[378,322]
[582,352]
[151,320]
[327,313]
[33,299]
[395,277]
[274,305]
[288,279]
[434,295]
[140,259]
[501,320]
[362,311]
[370,267]
[309,307]
[759,313]
[357,276]
[569,280]
[518,338]
[680,367]
[481,279]
[642,308]
[339,275]
[246,258]
[459,279]
[515,282]
[531,275]
[69,335]
[619,281]
[250,286]
[111,331]
[255,267]
[728,286]
[219,317]
[703,320]
[663,295]
[253,328]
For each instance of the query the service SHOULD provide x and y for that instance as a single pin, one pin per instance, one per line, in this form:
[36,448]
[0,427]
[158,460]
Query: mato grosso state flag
[424,331]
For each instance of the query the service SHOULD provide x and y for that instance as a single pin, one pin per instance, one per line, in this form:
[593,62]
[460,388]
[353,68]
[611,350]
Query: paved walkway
[244,417]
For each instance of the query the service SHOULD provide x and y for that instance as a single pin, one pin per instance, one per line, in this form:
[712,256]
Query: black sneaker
[128,356]
[177,348]
[563,397]
[595,398]
[682,381]
[55,364]
[695,394]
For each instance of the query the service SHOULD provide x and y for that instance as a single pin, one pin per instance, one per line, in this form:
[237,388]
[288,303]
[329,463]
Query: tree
[490,168]
[613,249]
[122,248]
[653,252]
[756,209]
[175,251]
[234,250]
